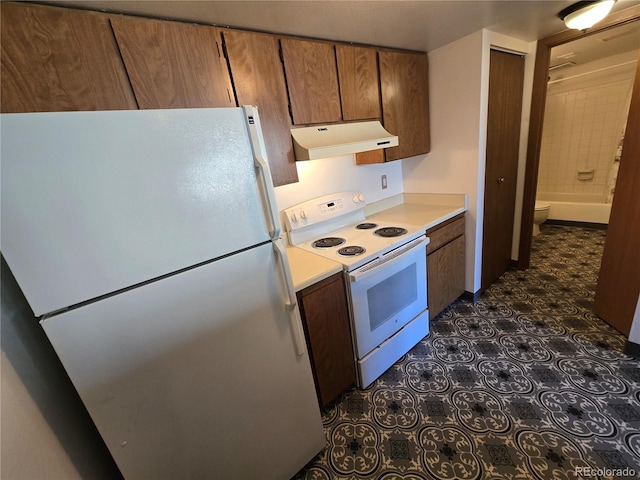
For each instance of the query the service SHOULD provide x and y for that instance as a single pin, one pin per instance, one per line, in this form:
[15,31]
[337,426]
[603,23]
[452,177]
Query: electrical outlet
[383,181]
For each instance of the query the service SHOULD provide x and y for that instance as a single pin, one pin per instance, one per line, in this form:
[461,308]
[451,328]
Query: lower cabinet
[445,264]
[325,317]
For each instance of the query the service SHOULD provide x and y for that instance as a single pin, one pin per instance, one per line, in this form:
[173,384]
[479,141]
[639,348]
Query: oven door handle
[386,260]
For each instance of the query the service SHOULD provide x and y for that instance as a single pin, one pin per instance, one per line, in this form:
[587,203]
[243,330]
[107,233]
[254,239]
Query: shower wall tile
[582,126]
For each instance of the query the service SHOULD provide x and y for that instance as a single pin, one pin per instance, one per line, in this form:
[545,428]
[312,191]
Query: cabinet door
[370,157]
[312,81]
[405,102]
[445,276]
[258,80]
[359,82]
[172,64]
[57,59]
[325,314]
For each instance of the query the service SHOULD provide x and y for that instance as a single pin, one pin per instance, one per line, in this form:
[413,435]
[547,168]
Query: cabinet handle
[387,260]
[500,179]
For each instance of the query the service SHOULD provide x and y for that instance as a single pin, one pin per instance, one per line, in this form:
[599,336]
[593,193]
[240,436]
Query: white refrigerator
[148,244]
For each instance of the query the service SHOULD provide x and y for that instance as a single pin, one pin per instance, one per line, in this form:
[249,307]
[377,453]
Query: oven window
[391,296]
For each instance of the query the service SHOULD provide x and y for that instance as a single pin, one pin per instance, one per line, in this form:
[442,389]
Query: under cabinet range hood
[323,141]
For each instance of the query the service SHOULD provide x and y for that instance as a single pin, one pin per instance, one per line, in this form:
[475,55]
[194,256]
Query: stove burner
[390,231]
[366,226]
[328,242]
[351,250]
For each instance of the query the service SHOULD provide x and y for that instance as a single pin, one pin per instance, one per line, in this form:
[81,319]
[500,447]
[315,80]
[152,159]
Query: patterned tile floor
[525,384]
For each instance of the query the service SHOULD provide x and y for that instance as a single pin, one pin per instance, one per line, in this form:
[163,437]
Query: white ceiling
[622,39]
[417,25]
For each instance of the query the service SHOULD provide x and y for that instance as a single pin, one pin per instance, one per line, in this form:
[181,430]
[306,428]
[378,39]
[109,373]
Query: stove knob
[356,199]
[303,215]
[361,197]
[294,218]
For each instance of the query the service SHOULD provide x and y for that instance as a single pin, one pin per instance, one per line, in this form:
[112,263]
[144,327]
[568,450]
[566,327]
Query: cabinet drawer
[442,234]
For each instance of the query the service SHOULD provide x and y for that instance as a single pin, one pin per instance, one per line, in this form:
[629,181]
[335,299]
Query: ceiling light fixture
[585,14]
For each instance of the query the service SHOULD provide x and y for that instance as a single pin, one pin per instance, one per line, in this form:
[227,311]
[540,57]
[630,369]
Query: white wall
[452,165]
[331,175]
[459,89]
[46,432]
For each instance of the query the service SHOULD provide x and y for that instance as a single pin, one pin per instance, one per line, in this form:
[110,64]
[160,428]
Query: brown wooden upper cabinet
[359,82]
[312,81]
[173,64]
[258,78]
[58,59]
[404,81]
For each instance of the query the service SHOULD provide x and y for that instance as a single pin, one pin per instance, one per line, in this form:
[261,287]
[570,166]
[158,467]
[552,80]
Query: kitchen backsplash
[330,175]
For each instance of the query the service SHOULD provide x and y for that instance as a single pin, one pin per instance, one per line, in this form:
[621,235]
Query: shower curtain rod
[592,71]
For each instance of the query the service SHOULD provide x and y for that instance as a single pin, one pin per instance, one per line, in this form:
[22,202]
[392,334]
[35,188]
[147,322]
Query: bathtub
[576,207]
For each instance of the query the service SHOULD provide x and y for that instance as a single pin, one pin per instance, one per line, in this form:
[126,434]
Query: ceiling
[622,39]
[416,25]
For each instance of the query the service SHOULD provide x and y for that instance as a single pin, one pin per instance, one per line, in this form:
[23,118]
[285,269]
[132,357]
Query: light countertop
[308,268]
[426,210]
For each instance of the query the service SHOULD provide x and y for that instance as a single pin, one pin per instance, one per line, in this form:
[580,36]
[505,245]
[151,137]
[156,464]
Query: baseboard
[632,349]
[571,223]
[471,297]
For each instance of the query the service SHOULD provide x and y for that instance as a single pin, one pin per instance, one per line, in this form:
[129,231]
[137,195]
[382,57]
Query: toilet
[540,215]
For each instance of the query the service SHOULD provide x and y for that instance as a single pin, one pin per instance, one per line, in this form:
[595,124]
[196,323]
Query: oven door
[388,293]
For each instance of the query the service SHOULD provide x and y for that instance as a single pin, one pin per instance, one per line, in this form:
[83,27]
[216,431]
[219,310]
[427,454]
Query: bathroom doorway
[621,211]
[587,104]
[536,118]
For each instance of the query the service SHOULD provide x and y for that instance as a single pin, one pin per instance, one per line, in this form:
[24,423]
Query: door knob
[501,180]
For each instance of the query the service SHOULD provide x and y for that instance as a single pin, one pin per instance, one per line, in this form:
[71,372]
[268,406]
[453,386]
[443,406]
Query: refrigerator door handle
[292,301]
[280,248]
[259,154]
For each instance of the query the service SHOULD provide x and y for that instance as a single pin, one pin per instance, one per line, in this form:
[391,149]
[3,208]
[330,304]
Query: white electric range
[385,271]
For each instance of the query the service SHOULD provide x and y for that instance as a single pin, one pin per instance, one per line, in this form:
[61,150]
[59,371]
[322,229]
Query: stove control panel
[323,208]
[331,206]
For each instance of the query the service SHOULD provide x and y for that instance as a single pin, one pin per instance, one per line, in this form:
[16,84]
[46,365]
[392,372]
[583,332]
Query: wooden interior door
[506,76]
[619,278]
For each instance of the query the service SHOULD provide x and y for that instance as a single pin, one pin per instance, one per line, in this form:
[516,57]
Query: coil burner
[366,226]
[328,242]
[351,250]
[390,232]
